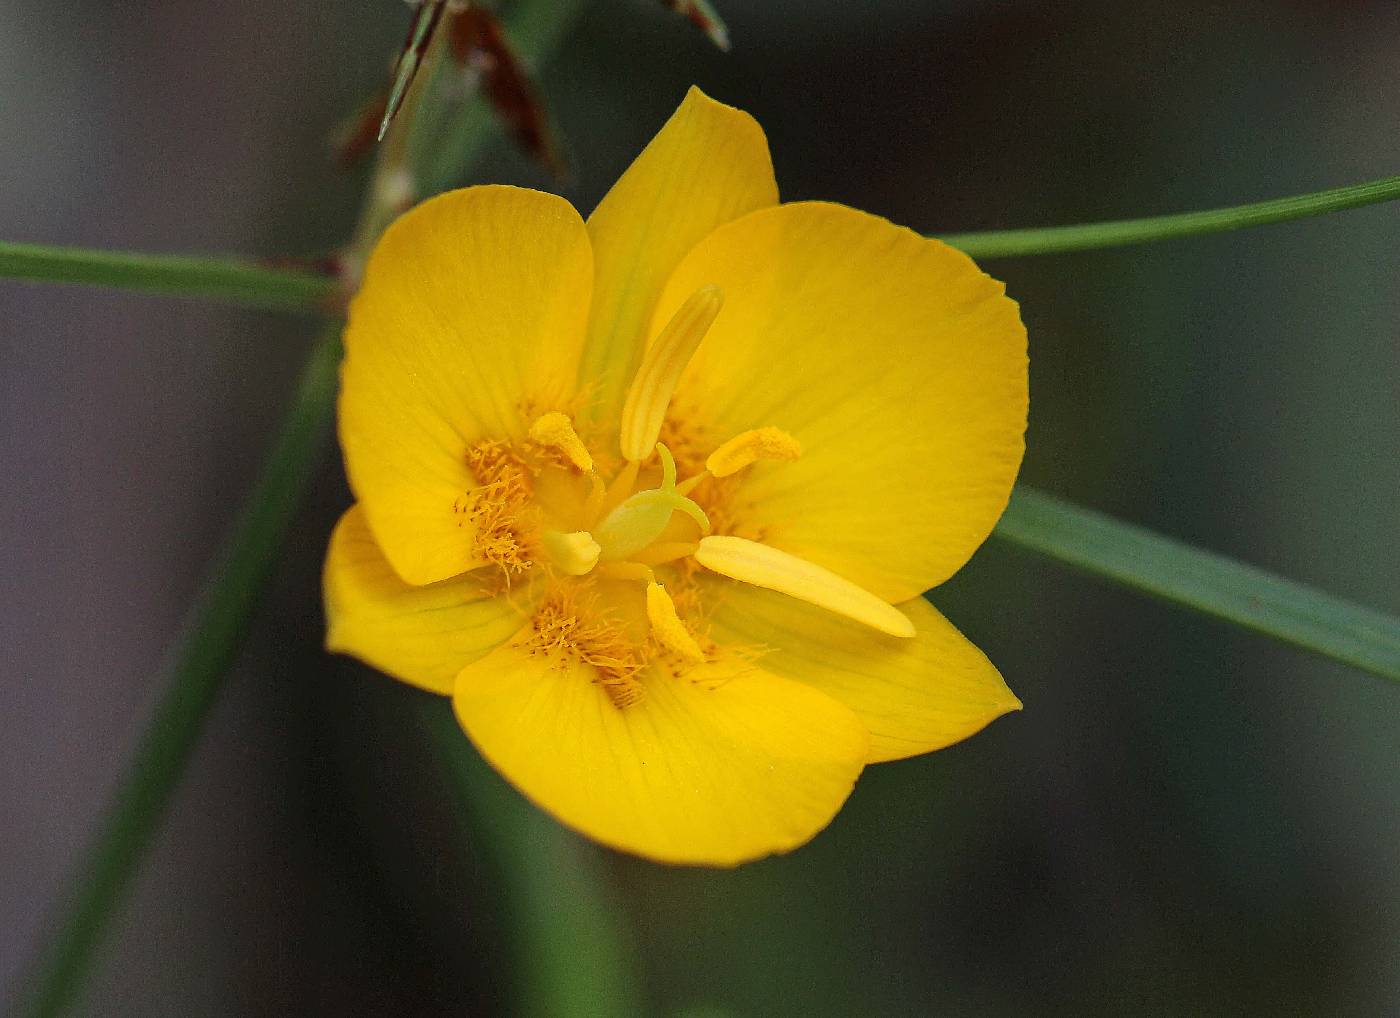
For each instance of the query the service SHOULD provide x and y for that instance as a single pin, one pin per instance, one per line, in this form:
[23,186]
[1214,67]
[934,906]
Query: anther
[668,627]
[751,562]
[655,382]
[751,446]
[556,431]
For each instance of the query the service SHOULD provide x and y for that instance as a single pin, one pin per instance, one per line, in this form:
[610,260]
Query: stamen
[620,488]
[625,571]
[751,562]
[691,483]
[751,446]
[556,431]
[665,551]
[574,554]
[668,627]
[655,382]
[594,503]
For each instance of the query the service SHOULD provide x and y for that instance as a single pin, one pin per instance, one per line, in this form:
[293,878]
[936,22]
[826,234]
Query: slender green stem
[1053,239]
[259,286]
[1218,586]
[223,279]
[216,630]
[200,660]
[566,936]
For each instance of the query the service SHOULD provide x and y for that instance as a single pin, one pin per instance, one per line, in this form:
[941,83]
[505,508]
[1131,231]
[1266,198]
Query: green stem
[217,625]
[257,286]
[1053,239]
[1184,575]
[200,660]
[222,279]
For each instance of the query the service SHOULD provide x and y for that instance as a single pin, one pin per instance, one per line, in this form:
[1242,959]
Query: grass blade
[1209,583]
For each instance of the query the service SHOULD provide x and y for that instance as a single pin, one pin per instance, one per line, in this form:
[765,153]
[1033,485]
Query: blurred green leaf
[1218,586]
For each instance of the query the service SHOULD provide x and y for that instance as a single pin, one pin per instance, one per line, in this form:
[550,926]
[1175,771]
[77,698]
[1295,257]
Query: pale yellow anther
[655,383]
[557,431]
[751,562]
[574,554]
[750,447]
[668,627]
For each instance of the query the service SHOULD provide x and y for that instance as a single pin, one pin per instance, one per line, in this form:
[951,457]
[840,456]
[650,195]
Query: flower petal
[915,696]
[723,765]
[471,314]
[708,165]
[897,364]
[421,635]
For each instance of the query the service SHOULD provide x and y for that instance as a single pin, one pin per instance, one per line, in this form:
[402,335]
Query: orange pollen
[563,631]
[500,508]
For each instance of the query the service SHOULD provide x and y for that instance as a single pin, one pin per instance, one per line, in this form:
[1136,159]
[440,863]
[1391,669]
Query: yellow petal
[914,696]
[723,765]
[473,309]
[708,165]
[898,366]
[421,635]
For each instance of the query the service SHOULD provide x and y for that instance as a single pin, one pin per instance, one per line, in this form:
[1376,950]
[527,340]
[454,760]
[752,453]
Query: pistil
[640,519]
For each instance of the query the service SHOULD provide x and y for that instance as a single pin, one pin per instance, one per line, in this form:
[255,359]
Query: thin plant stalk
[220,279]
[1084,236]
[217,627]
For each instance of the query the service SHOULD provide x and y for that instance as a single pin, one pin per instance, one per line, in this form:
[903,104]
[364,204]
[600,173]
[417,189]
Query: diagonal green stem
[217,628]
[200,660]
[1218,586]
[223,279]
[1053,239]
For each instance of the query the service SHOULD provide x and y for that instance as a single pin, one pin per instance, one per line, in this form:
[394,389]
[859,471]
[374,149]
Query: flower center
[626,531]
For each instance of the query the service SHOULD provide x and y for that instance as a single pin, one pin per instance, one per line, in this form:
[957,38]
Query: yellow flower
[655,497]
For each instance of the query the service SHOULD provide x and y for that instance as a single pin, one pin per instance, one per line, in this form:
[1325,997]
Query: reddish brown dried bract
[476,41]
[700,14]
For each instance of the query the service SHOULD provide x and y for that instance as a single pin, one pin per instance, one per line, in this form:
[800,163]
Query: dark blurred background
[1186,819]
